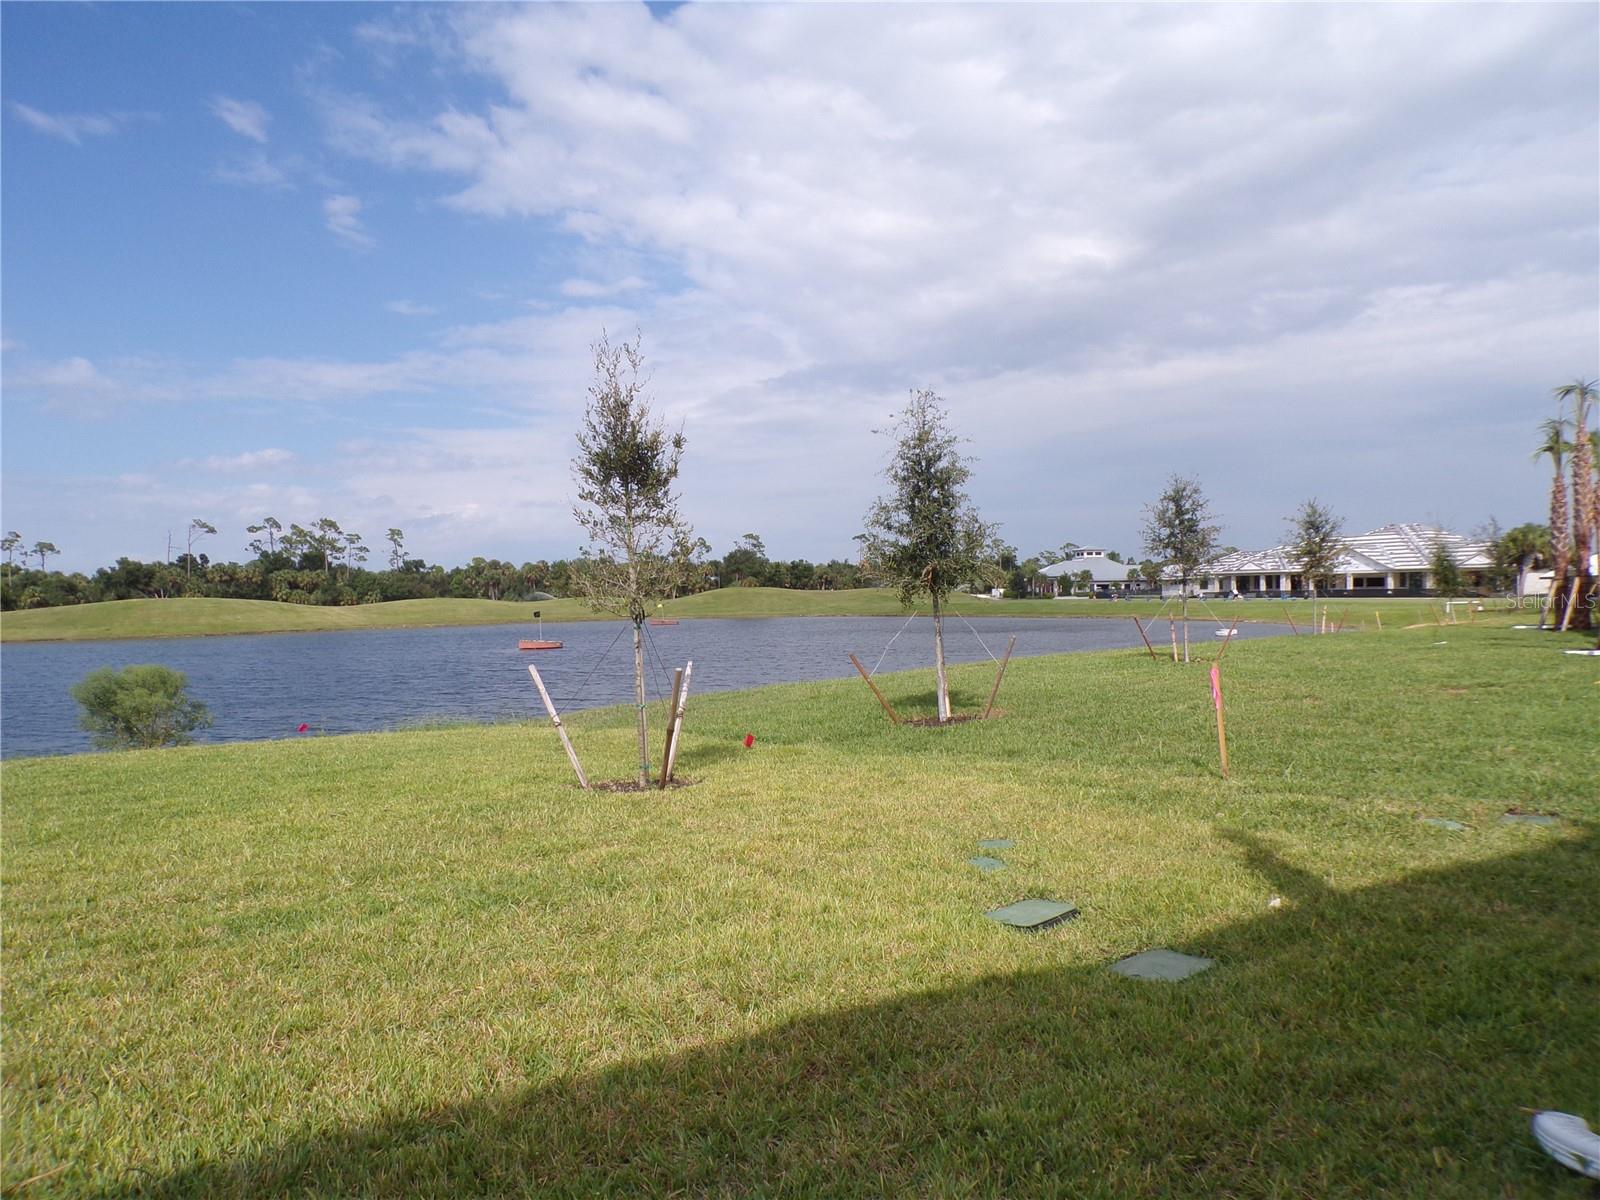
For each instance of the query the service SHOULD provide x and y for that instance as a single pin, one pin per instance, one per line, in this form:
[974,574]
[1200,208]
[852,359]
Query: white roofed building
[1392,560]
[1107,576]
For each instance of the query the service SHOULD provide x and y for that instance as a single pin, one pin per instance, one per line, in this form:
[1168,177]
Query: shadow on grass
[1378,1041]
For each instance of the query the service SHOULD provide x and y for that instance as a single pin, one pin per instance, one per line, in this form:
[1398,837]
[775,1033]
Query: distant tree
[625,470]
[138,707]
[1315,543]
[1179,531]
[43,549]
[746,561]
[9,544]
[1150,572]
[925,537]
[1444,568]
[397,550]
[270,527]
[1521,548]
[328,539]
[355,551]
[197,529]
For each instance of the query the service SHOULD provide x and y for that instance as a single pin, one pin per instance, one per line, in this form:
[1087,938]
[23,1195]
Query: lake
[261,686]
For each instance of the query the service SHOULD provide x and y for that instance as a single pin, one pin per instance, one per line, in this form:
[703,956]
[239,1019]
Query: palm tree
[1584,517]
[1555,444]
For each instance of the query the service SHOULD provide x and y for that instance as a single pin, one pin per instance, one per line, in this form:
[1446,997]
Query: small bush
[138,707]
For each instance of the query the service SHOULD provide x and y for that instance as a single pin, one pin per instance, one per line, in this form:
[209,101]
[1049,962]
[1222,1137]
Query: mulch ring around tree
[957,719]
[632,785]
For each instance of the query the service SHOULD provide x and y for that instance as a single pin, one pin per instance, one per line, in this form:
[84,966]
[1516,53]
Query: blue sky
[347,260]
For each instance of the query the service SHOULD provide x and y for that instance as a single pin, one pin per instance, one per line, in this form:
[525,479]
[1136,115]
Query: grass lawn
[426,964]
[203,617]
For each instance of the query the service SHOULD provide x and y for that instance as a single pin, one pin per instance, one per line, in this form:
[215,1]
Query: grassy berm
[426,964]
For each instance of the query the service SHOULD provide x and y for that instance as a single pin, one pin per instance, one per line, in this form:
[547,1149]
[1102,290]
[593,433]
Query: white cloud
[589,289]
[250,460]
[253,170]
[409,308]
[74,127]
[343,216]
[245,117]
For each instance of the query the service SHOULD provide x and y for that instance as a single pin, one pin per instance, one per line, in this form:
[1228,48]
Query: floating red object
[303,727]
[749,740]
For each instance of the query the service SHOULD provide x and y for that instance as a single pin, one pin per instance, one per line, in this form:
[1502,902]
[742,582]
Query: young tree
[1585,513]
[625,470]
[1522,547]
[138,707]
[1178,531]
[1446,572]
[42,549]
[197,529]
[1555,444]
[1315,542]
[925,537]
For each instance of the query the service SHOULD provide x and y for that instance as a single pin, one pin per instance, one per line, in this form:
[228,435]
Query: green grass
[425,963]
[198,618]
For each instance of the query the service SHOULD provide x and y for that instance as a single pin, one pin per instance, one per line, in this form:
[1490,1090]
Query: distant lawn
[197,618]
[426,964]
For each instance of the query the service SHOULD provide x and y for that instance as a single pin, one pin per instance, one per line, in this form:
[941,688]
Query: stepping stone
[1033,916]
[995,843]
[1529,819]
[985,863]
[1445,823]
[1161,964]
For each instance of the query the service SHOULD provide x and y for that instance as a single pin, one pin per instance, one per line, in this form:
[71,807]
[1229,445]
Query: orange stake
[1222,729]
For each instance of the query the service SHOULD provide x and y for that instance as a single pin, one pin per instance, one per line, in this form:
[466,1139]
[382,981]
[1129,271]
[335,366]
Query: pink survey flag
[1216,687]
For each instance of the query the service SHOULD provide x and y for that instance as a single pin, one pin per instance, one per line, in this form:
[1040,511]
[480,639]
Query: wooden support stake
[1342,613]
[1290,618]
[1146,640]
[1172,628]
[1574,589]
[893,716]
[1231,630]
[999,675]
[672,724]
[677,724]
[555,719]
[1378,617]
[1222,729]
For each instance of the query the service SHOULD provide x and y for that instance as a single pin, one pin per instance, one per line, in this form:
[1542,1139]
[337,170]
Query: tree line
[322,563]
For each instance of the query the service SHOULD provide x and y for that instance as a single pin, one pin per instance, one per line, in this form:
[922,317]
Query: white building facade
[1391,561]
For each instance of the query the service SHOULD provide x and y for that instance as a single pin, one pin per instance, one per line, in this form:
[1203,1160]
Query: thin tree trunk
[938,663]
[638,695]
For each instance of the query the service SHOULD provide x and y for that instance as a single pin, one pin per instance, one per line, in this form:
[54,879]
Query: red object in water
[303,727]
[749,740]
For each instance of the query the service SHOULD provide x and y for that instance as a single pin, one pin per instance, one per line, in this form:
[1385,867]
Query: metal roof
[1397,547]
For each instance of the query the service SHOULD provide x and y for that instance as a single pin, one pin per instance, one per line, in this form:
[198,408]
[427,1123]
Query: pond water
[267,685]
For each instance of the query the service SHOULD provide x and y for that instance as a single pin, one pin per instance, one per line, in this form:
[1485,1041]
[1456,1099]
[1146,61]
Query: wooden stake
[1572,602]
[555,719]
[1378,617]
[1146,640]
[893,716]
[1290,617]
[999,675]
[1222,729]
[1173,630]
[1342,614]
[672,724]
[1231,629]
[677,722]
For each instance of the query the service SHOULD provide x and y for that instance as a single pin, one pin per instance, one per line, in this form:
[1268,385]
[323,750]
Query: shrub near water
[139,707]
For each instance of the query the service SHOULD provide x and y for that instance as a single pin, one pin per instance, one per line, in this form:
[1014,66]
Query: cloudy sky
[308,260]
